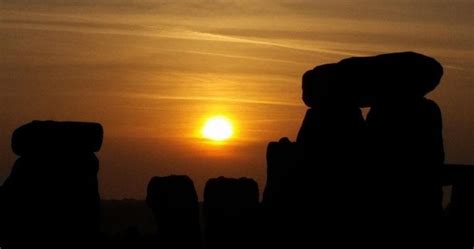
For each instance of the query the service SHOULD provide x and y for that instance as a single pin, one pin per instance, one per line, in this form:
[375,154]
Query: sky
[152,72]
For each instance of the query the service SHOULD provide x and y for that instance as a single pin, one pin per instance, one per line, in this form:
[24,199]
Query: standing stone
[51,196]
[175,206]
[282,160]
[408,155]
[351,183]
[333,173]
[459,223]
[231,213]
[281,194]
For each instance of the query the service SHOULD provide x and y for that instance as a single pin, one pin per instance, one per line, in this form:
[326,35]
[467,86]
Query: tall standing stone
[408,155]
[51,196]
[231,209]
[175,206]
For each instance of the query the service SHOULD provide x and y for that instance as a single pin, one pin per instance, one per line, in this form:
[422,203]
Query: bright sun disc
[217,129]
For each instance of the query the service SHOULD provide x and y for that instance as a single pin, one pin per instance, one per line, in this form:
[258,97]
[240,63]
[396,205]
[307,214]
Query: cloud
[69,24]
[213,99]
[233,56]
[165,32]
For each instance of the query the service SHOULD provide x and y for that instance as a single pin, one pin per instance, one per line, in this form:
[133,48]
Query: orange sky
[152,71]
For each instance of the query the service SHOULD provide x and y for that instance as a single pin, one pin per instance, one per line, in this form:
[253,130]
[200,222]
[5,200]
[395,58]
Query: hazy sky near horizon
[151,72]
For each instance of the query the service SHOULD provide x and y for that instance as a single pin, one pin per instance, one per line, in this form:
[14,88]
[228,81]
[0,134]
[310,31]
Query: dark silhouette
[51,196]
[312,169]
[231,213]
[459,223]
[366,80]
[281,194]
[47,137]
[174,202]
[385,174]
[333,145]
[345,182]
[281,161]
[407,152]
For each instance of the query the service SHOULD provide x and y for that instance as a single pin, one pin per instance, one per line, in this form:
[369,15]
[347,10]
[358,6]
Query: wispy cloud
[212,99]
[233,56]
[166,32]
[227,38]
[69,24]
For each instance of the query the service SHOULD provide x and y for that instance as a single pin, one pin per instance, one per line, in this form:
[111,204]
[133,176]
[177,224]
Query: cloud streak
[212,99]
[170,33]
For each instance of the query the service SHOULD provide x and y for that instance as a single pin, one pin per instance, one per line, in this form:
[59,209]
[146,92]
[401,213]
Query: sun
[218,129]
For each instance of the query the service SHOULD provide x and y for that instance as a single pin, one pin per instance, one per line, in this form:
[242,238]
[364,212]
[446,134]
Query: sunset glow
[156,75]
[218,129]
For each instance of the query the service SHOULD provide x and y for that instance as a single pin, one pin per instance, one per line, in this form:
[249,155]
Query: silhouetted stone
[2,214]
[282,159]
[52,200]
[460,211]
[282,197]
[356,175]
[231,211]
[318,182]
[411,129]
[174,202]
[55,137]
[332,142]
[328,158]
[366,80]
[333,169]
[51,196]
[322,125]
[407,152]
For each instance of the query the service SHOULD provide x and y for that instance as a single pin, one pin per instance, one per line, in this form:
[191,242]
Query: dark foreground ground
[119,216]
